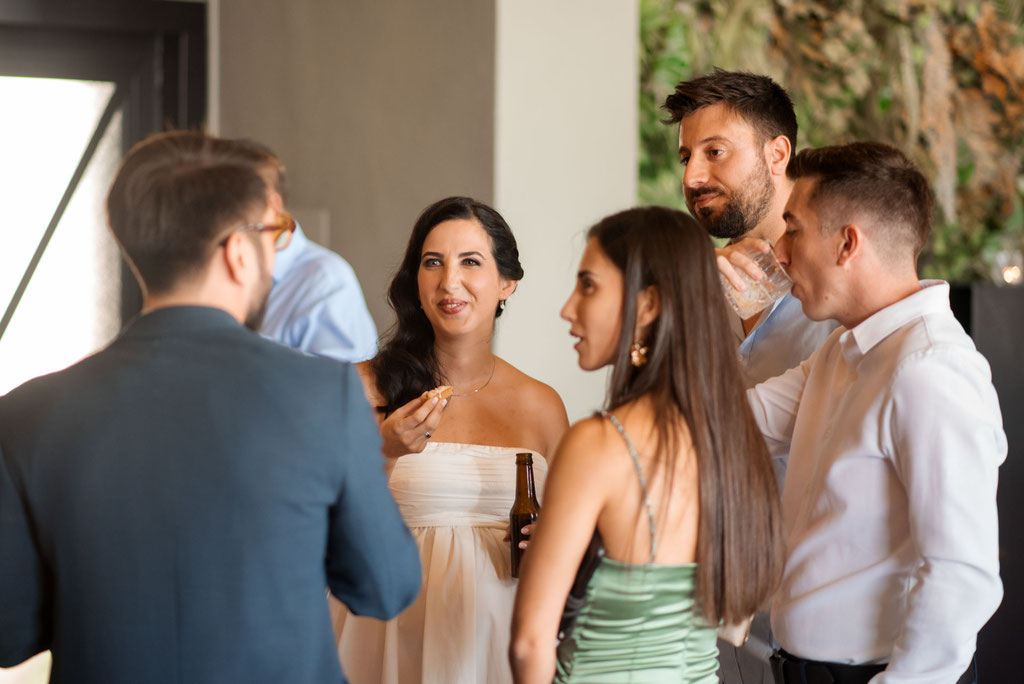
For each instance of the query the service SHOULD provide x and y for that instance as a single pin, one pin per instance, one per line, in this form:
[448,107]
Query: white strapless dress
[455,499]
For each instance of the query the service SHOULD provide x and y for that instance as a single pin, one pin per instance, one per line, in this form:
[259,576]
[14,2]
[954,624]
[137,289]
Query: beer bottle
[525,507]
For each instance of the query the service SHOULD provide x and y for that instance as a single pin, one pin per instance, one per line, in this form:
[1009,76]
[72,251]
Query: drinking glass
[759,293]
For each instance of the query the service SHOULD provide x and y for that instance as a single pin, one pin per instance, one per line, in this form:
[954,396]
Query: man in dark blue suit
[173,507]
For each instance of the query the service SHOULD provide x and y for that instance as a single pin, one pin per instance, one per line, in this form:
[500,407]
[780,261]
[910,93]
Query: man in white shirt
[894,435]
[737,133]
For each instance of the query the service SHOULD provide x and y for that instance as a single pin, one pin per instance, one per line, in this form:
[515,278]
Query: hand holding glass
[759,294]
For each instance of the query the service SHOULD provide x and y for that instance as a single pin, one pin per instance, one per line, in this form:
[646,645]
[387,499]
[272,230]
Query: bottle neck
[524,482]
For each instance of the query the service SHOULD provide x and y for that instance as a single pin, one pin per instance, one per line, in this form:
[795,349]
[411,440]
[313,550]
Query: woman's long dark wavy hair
[406,365]
[692,375]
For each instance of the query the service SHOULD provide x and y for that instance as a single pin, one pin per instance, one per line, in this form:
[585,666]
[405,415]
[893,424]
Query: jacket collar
[176,319]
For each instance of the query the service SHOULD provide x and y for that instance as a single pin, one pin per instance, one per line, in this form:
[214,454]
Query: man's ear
[236,257]
[778,153]
[849,243]
[648,307]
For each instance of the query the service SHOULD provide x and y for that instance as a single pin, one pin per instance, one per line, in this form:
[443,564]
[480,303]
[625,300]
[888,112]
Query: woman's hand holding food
[410,427]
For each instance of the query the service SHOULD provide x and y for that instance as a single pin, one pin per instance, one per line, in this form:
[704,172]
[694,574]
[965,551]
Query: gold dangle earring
[637,354]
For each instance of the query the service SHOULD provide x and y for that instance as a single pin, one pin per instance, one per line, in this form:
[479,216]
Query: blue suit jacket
[173,507]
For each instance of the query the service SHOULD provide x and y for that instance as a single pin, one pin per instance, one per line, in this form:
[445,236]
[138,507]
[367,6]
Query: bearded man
[737,133]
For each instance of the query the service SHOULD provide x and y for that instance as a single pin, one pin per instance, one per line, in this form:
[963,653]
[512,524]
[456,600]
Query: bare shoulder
[592,446]
[544,397]
[541,401]
[585,436]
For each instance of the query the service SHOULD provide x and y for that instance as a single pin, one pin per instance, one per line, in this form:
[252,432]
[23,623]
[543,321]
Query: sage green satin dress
[637,622]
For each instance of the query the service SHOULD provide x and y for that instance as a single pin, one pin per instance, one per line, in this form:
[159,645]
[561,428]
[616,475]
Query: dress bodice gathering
[455,498]
[451,484]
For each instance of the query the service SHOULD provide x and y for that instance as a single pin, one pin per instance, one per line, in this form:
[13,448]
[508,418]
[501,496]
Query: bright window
[71,306]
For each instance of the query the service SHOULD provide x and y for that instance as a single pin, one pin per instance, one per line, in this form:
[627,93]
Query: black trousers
[790,669]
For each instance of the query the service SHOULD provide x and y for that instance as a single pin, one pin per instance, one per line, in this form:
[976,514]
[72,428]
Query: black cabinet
[994,318]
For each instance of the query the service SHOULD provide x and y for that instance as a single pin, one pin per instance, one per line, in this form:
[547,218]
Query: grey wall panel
[377,109]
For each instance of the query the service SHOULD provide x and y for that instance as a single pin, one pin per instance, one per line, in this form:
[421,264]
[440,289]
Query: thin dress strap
[639,474]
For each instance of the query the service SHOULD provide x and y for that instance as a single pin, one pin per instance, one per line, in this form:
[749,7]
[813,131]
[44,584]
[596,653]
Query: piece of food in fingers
[441,392]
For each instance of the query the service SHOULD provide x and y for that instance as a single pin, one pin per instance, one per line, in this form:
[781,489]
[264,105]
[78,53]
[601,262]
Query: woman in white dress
[452,461]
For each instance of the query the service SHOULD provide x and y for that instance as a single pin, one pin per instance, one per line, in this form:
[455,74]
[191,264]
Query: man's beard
[254,319]
[258,308]
[742,210]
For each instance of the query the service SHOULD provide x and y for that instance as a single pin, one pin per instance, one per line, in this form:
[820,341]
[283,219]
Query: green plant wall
[942,80]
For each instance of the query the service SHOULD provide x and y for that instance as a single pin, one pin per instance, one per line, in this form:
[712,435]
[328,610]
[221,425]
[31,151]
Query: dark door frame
[155,54]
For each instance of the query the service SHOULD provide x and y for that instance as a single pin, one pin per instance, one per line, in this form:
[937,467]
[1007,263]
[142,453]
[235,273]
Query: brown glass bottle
[525,507]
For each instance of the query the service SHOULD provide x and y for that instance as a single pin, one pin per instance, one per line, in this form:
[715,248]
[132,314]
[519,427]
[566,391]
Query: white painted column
[565,156]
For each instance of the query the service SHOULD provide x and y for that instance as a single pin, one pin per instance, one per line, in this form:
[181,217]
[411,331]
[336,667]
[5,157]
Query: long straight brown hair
[692,377]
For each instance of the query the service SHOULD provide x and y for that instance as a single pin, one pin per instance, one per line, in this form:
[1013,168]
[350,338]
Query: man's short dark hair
[758,99]
[175,197]
[869,179]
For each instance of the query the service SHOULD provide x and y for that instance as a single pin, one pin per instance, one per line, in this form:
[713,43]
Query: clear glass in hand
[759,294]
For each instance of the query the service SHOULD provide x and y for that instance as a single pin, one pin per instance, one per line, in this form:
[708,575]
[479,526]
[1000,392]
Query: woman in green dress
[660,520]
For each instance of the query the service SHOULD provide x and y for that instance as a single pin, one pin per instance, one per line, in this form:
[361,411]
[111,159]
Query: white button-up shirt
[782,337]
[889,509]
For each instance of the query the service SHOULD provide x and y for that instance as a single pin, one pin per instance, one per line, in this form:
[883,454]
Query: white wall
[565,156]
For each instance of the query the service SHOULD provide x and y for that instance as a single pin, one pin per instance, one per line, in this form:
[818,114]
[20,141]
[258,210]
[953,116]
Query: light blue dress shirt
[782,338]
[316,304]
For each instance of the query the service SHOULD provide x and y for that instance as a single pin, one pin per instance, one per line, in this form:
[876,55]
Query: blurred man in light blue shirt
[316,304]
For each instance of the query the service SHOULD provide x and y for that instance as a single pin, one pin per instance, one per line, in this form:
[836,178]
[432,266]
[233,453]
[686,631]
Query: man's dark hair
[869,179]
[758,99]
[176,195]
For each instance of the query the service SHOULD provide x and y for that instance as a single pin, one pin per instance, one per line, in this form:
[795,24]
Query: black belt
[790,669]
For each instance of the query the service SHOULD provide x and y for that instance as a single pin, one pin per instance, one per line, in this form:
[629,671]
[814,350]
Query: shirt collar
[861,339]
[284,259]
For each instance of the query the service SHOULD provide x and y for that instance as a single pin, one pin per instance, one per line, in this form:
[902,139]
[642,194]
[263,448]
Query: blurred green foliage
[943,80]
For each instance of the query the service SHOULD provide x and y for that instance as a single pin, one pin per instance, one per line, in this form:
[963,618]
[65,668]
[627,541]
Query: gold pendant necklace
[494,364]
